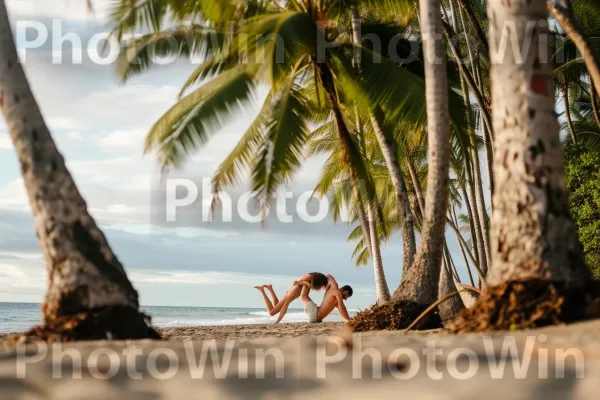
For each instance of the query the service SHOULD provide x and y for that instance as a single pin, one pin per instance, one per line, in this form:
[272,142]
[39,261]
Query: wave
[288,315]
[252,318]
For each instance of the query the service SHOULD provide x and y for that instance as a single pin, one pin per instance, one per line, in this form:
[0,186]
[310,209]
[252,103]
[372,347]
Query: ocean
[18,317]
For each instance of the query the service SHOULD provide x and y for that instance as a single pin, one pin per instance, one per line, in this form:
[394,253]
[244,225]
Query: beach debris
[110,323]
[525,304]
[394,316]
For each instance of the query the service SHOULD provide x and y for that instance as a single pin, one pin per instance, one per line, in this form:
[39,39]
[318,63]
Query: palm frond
[281,152]
[187,125]
[140,53]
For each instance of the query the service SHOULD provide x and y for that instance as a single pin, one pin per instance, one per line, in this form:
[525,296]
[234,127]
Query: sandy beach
[254,331]
[382,365]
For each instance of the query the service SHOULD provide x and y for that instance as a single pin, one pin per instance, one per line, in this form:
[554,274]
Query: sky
[99,125]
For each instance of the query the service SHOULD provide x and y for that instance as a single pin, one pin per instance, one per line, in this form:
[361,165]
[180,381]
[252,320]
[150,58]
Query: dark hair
[348,289]
[318,281]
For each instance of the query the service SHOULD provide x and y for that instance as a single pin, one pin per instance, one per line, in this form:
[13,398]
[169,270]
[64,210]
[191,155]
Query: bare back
[330,302]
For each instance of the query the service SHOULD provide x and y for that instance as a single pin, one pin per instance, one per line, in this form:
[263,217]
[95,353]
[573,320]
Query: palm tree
[576,40]
[419,286]
[335,182]
[389,152]
[564,13]
[302,82]
[305,81]
[424,274]
[536,253]
[89,295]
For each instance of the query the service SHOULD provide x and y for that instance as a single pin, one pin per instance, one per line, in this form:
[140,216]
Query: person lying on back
[334,298]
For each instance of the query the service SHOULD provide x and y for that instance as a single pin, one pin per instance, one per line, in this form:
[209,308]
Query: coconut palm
[89,295]
[310,77]
[335,183]
[303,81]
[577,35]
[534,240]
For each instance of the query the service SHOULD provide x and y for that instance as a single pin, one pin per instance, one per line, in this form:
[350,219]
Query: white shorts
[312,311]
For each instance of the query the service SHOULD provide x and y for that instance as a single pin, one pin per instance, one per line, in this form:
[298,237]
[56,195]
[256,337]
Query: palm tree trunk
[483,264]
[488,143]
[463,249]
[356,35]
[84,275]
[468,77]
[383,292]
[533,234]
[594,99]
[416,185]
[481,211]
[448,310]
[421,283]
[470,212]
[408,227]
[391,159]
[363,220]
[450,263]
[346,142]
[477,213]
[565,93]
[475,22]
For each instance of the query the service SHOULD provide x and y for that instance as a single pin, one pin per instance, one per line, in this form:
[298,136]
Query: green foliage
[583,180]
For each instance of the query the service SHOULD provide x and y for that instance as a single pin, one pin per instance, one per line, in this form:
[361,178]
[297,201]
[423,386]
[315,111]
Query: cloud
[5,142]
[25,276]
[13,196]
[60,123]
[68,9]
[203,278]
[124,140]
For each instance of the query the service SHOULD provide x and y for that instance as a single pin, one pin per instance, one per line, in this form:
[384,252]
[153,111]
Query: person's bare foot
[259,287]
[270,287]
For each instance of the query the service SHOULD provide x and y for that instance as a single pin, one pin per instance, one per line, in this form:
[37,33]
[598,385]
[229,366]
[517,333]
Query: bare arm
[302,283]
[341,306]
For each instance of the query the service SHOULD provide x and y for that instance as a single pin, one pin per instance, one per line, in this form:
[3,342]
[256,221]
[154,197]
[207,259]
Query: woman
[313,280]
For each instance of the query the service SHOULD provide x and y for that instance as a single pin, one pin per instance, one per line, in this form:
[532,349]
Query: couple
[334,297]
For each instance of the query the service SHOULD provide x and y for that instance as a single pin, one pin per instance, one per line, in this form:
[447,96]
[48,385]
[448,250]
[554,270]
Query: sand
[254,331]
[380,365]
[249,331]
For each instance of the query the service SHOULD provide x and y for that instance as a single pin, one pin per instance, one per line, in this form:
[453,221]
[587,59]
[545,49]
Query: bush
[583,181]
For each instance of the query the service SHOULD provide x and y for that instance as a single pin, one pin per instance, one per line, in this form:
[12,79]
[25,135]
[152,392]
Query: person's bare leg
[292,295]
[268,303]
[304,295]
[270,289]
[283,311]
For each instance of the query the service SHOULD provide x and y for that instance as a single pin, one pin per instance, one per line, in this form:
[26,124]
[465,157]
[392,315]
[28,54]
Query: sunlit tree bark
[84,275]
[532,232]
[420,284]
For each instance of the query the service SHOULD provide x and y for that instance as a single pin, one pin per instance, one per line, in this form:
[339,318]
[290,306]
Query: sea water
[18,317]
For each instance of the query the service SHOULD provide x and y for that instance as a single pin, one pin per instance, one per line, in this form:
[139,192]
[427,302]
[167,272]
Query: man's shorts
[312,311]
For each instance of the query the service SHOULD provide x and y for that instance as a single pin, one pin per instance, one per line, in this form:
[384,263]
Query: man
[302,287]
[334,298]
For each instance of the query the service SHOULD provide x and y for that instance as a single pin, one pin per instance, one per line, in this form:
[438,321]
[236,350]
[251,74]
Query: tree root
[111,323]
[431,308]
[526,304]
[393,316]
